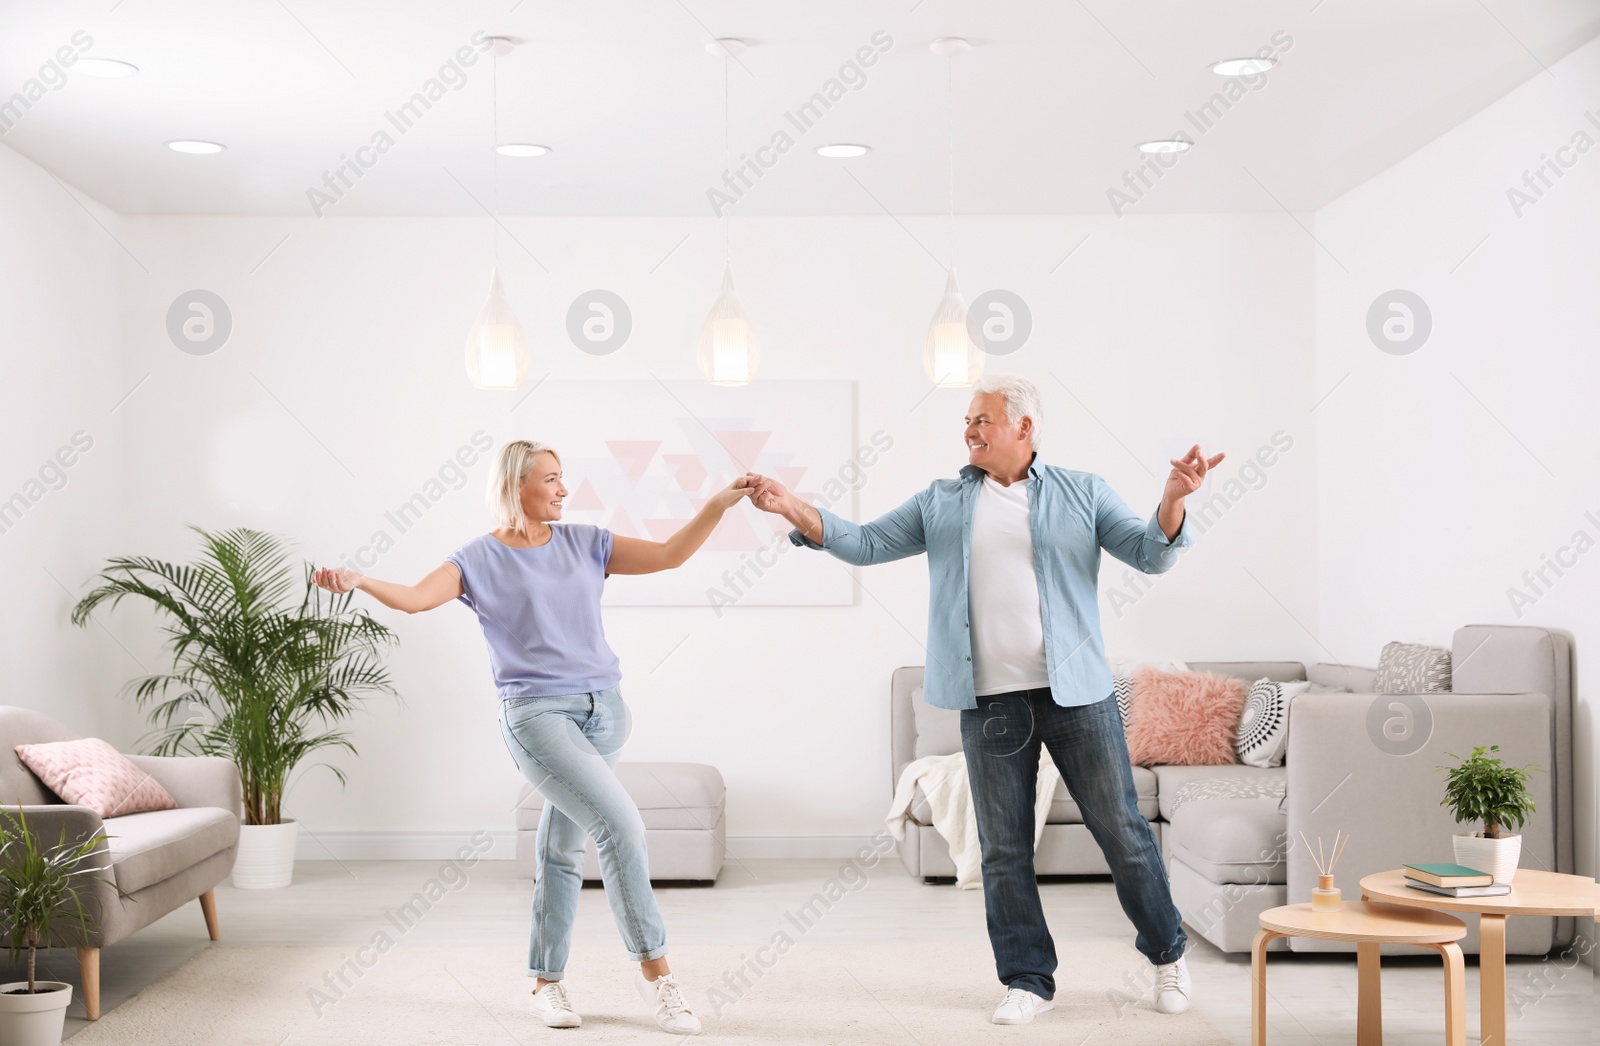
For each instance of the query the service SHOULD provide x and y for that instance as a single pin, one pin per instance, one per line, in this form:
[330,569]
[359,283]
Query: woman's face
[542,490]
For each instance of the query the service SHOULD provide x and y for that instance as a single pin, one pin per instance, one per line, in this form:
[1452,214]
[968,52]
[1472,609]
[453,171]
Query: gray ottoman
[682,807]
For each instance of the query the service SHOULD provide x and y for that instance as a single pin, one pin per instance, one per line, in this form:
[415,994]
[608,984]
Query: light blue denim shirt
[1071,515]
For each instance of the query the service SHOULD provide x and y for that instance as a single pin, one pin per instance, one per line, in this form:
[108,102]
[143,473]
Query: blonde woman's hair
[511,467]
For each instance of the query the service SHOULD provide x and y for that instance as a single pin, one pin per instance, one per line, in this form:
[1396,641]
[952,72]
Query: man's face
[994,442]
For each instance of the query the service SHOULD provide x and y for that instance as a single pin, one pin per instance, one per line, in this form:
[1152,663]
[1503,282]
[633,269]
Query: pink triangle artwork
[633,455]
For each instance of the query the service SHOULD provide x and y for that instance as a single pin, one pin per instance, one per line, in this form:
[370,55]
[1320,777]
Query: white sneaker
[551,1005]
[664,996]
[1172,988]
[1019,1007]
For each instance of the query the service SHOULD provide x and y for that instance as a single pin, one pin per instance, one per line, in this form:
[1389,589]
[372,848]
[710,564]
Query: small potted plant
[1481,788]
[39,906]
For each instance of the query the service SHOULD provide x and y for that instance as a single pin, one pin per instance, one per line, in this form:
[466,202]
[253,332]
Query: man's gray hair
[1022,400]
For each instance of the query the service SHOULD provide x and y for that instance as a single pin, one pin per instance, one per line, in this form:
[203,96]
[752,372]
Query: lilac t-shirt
[540,610]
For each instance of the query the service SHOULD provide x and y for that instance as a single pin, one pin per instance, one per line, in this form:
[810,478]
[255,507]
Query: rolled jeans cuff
[653,953]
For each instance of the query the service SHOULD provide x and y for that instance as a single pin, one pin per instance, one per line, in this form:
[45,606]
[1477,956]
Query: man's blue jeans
[1001,738]
[566,746]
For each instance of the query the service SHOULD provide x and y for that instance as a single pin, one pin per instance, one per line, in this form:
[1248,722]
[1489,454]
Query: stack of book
[1453,880]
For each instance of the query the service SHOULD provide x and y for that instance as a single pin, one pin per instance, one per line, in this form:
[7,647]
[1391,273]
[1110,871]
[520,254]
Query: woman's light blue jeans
[566,746]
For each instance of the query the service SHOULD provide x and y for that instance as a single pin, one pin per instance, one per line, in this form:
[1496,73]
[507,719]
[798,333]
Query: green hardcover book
[1448,875]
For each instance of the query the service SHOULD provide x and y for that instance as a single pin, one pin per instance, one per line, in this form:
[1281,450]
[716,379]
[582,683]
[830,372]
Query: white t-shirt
[1003,593]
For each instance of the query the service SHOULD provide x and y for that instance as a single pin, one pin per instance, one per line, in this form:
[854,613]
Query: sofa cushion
[1264,723]
[1063,810]
[87,771]
[1172,779]
[149,847]
[685,796]
[1184,717]
[1412,668]
[1230,840]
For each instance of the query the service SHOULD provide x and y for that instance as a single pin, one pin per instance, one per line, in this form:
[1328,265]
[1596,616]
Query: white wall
[1446,473]
[1167,329]
[61,268]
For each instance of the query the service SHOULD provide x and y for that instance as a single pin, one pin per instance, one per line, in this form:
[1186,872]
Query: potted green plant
[39,906]
[1482,789]
[260,674]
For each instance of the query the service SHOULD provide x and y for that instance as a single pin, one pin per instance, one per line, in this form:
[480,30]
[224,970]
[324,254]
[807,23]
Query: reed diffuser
[1326,898]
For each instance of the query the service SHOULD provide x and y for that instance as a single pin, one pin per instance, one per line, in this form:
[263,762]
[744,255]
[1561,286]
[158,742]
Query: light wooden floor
[344,905]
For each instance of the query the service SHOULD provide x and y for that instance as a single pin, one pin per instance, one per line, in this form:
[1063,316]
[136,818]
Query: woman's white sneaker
[1172,988]
[1019,1007]
[551,1005]
[664,996]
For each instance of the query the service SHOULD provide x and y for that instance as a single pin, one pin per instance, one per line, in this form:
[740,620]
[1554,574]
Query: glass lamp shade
[949,354]
[728,350]
[496,351]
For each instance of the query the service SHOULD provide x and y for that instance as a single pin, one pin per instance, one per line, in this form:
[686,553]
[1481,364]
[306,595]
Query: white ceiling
[1048,106]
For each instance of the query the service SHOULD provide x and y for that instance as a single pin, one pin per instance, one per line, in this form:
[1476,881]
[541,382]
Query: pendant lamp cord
[494,155]
[727,158]
[950,141]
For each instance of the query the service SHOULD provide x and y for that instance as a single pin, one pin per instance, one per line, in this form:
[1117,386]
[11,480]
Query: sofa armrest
[196,780]
[47,821]
[1384,790]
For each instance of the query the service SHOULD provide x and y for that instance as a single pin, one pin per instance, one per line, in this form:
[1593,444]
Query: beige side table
[1370,926]
[1533,892]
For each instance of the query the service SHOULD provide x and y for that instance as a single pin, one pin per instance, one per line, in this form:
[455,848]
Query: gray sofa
[161,859]
[1226,830]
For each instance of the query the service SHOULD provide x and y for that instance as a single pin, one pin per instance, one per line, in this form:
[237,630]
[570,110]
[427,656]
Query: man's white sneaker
[1019,1007]
[664,996]
[551,1005]
[1172,990]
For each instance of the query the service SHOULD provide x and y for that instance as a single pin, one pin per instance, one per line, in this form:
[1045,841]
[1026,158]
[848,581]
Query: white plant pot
[266,856]
[1497,857]
[34,1020]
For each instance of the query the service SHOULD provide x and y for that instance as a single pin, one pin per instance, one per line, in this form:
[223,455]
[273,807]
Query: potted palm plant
[39,906]
[1481,788]
[260,675]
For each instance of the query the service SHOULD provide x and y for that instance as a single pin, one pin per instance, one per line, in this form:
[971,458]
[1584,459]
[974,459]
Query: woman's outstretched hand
[730,495]
[337,580]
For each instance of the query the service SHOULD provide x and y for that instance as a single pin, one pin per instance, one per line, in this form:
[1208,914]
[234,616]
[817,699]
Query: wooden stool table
[1369,925]
[1532,893]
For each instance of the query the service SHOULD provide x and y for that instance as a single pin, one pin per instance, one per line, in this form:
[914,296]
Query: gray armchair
[160,860]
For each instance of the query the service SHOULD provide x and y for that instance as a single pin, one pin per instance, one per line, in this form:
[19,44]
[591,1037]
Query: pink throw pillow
[1184,718]
[89,772]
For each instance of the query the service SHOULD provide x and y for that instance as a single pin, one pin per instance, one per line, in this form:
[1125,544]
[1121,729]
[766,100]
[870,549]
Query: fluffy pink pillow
[1184,718]
[89,772]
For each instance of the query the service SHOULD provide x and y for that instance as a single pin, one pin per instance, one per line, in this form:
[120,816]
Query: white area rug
[818,992]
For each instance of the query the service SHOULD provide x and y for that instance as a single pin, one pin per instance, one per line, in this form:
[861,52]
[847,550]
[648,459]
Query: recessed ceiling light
[109,68]
[197,148]
[1165,145]
[949,46]
[842,150]
[521,149]
[1243,66]
[726,47]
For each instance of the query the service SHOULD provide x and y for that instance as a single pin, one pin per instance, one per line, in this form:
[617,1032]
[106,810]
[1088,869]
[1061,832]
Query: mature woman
[535,586]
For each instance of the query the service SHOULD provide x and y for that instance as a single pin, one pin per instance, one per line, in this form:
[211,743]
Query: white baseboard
[385,844]
[382,844]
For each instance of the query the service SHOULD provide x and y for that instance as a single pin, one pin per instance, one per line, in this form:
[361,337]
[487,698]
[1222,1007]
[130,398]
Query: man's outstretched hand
[767,494]
[1187,474]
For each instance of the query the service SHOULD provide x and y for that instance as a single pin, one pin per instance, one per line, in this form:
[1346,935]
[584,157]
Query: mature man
[1014,642]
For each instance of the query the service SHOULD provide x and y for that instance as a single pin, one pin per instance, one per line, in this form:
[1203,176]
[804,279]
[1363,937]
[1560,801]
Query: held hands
[337,580]
[1187,475]
[768,494]
[729,496]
